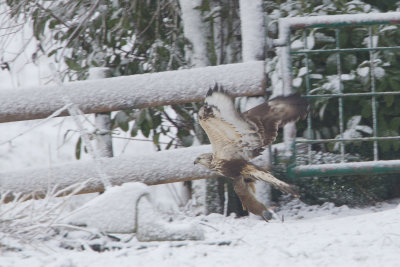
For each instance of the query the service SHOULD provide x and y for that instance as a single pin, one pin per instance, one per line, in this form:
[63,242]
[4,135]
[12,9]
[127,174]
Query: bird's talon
[267,215]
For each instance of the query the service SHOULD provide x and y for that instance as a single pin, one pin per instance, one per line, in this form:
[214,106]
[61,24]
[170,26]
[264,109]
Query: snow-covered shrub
[29,222]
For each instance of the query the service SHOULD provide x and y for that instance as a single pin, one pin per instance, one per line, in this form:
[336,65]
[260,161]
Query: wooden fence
[110,94]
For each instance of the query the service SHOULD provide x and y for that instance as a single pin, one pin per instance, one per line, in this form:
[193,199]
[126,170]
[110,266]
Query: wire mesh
[372,49]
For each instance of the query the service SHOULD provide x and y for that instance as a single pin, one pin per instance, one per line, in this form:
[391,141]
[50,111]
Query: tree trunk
[253,30]
[253,47]
[195,32]
[205,193]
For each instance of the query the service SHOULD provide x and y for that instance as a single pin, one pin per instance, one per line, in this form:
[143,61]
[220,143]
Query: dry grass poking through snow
[26,222]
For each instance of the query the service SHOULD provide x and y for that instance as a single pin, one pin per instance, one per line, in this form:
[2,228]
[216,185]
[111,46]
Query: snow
[296,44]
[310,236]
[353,130]
[98,73]
[285,24]
[151,227]
[41,146]
[195,32]
[363,72]
[371,41]
[136,91]
[379,72]
[302,71]
[114,211]
[130,208]
[297,82]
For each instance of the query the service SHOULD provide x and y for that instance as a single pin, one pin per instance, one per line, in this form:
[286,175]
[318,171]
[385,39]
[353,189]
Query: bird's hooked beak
[196,161]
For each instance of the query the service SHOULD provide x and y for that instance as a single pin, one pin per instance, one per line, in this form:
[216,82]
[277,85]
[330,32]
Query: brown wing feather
[289,108]
[276,113]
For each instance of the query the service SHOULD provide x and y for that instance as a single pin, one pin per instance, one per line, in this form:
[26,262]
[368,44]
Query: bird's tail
[252,172]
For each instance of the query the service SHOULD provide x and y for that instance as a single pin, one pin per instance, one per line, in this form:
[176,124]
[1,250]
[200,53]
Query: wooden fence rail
[130,92]
[154,168]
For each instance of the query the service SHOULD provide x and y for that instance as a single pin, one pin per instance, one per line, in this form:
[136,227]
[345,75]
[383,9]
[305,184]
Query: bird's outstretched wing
[231,136]
[235,135]
[275,113]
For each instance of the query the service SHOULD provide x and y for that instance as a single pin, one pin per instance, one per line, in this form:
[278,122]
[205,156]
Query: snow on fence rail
[285,24]
[155,168]
[135,91]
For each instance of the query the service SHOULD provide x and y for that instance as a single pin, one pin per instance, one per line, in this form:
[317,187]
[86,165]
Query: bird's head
[207,112]
[205,160]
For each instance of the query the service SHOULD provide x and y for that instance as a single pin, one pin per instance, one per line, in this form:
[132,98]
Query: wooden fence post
[102,119]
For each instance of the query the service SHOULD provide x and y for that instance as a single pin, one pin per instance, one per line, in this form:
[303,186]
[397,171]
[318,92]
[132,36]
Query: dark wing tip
[257,151]
[209,92]
[216,88]
[222,90]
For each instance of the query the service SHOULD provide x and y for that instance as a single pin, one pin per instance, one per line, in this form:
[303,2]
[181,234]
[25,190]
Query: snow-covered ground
[310,236]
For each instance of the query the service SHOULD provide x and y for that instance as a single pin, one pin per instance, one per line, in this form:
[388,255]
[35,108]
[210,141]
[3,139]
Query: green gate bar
[341,169]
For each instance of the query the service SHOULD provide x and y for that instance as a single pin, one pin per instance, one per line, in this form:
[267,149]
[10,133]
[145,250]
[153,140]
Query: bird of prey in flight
[236,138]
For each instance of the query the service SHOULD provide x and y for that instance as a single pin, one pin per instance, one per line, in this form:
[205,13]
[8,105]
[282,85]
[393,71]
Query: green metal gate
[337,23]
